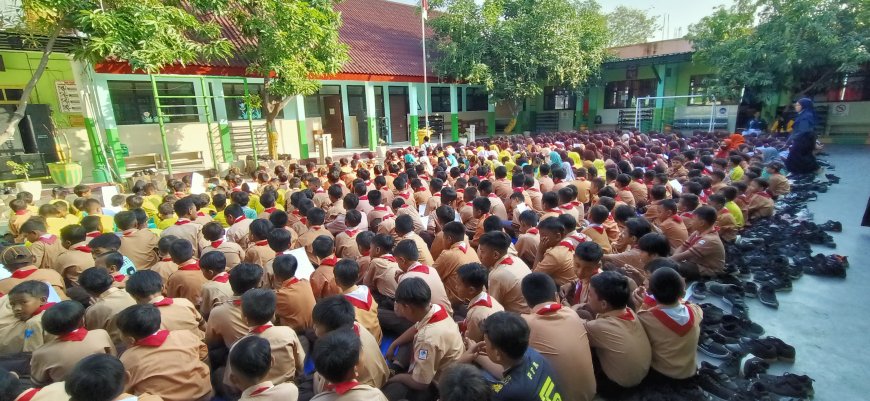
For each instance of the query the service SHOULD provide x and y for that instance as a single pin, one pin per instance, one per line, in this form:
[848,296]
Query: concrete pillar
[454,114]
[414,123]
[371,116]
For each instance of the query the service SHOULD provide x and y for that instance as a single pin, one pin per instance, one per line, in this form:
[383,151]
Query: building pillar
[90,103]
[385,91]
[295,110]
[490,118]
[113,140]
[345,113]
[454,114]
[659,103]
[414,123]
[220,115]
[371,116]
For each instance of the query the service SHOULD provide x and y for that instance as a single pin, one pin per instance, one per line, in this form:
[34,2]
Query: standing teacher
[803,140]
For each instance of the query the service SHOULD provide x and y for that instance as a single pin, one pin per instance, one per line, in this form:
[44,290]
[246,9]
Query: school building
[109,113]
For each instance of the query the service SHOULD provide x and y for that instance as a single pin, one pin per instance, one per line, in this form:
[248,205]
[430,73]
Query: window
[236,107]
[559,99]
[478,99]
[698,85]
[10,95]
[440,99]
[314,103]
[624,94]
[133,102]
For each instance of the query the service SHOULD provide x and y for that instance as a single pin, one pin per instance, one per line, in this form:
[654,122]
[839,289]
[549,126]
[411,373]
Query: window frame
[442,93]
[631,89]
[142,100]
[559,98]
[474,96]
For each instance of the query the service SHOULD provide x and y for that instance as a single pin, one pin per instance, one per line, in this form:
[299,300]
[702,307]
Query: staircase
[241,140]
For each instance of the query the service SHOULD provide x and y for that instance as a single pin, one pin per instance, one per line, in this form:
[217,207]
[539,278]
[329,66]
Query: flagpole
[425,74]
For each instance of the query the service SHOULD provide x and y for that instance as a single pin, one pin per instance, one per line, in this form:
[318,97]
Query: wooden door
[399,117]
[333,122]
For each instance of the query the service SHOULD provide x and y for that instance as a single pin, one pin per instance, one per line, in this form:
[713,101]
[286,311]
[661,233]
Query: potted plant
[22,169]
[65,173]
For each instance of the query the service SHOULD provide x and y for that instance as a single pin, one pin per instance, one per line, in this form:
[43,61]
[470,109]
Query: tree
[772,46]
[148,34]
[628,26]
[296,41]
[517,47]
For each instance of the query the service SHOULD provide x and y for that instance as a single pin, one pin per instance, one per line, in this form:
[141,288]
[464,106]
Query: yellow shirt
[155,200]
[221,218]
[599,165]
[164,224]
[55,224]
[255,204]
[108,223]
[578,162]
[736,212]
[736,174]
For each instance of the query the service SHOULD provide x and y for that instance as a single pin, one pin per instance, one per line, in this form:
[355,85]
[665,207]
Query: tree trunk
[25,96]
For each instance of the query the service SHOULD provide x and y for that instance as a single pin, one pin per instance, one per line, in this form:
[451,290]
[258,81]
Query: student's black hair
[622,213]
[589,251]
[566,194]
[183,206]
[165,242]
[492,223]
[550,200]
[398,202]
[63,317]
[323,246]
[529,217]
[375,196]
[454,230]
[485,187]
[436,185]
[544,169]
[279,239]
[463,382]
[212,231]
[659,263]
[316,216]
[497,240]
[219,200]
[245,276]
[232,212]
[445,213]
[607,201]
[414,291]
[404,224]
[113,258]
[352,218]
[284,266]
[333,312]
[258,305]
[11,386]
[473,274]
[552,224]
[658,192]
[568,221]
[251,357]
[654,243]
[213,261]
[139,321]
[92,223]
[364,240]
[337,354]
[538,288]
[638,227]
[33,288]
[666,285]
[612,287]
[718,199]
[144,283]
[141,216]
[278,218]
[267,199]
[125,220]
[730,193]
[598,214]
[240,198]
[384,241]
[107,241]
[481,204]
[448,195]
[406,249]
[707,214]
[97,377]
[346,272]
[181,251]
[260,228]
[507,332]
[690,200]
[669,205]
[33,225]
[95,280]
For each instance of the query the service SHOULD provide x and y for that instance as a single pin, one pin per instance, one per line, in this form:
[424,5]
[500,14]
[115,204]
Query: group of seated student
[546,268]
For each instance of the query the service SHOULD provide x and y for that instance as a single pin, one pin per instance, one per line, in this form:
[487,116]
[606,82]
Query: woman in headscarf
[803,140]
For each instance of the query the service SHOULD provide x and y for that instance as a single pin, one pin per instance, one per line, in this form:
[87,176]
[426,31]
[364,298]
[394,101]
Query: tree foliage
[627,26]
[517,47]
[775,46]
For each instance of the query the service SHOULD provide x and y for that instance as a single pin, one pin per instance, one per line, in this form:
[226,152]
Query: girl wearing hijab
[803,140]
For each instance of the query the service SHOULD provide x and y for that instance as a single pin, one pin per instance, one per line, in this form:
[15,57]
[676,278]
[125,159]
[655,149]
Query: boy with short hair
[184,227]
[188,280]
[251,362]
[165,216]
[323,279]
[673,327]
[314,223]
[505,271]
[457,254]
[93,226]
[225,323]
[724,219]
[730,193]
[108,302]
[77,257]
[19,261]
[779,185]
[759,203]
[28,301]
[345,242]
[259,252]
[671,224]
[336,357]
[616,336]
[703,255]
[587,263]
[19,216]
[406,256]
[217,289]
[165,267]
[98,377]
[146,287]
[528,240]
[54,361]
[258,308]
[437,342]
[138,244]
[240,226]
[555,255]
[216,235]
[598,214]
[472,278]
[163,362]
[364,304]
[657,195]
[294,297]
[93,207]
[113,262]
[363,242]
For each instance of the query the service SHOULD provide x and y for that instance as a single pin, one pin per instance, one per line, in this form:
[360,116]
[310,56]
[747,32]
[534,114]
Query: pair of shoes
[789,385]
[754,367]
[730,293]
[718,385]
[769,349]
[712,348]
[767,296]
[746,327]
[832,225]
[712,314]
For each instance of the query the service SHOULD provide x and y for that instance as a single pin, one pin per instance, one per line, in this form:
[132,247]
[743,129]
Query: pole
[712,114]
[162,126]
[425,74]
[207,108]
[251,125]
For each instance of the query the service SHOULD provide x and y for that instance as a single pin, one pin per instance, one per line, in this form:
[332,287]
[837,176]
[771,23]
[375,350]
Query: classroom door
[333,122]
[399,114]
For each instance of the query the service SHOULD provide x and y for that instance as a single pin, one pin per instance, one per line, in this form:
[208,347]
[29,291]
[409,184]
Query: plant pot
[66,175]
[34,187]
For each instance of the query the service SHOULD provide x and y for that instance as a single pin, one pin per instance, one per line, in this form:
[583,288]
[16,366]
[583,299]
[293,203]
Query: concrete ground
[824,317]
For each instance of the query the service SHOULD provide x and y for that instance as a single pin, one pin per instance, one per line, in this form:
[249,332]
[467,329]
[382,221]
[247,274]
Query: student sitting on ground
[336,357]
[217,237]
[113,262]
[258,308]
[44,247]
[217,289]
[251,362]
[98,377]
[146,287]
[29,301]
[587,263]
[77,256]
[259,252]
[108,302]
[759,203]
[187,282]
[225,323]
[163,362]
[323,279]
[364,304]
[19,261]
[294,297]
[703,255]
[406,257]
[458,253]
[472,278]
[138,244]
[505,271]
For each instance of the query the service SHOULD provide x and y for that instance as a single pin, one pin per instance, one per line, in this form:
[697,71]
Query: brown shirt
[215,292]
[433,280]
[294,303]
[415,217]
[179,314]
[190,231]
[653,211]
[759,205]
[345,245]
[778,185]
[535,197]
[437,345]
[287,353]
[371,369]
[323,279]
[173,369]
[165,268]
[46,250]
[305,240]
[633,257]
[186,283]
[267,391]
[558,263]
[71,263]
[558,334]
[433,203]
[505,284]
[360,392]
[102,314]
[620,343]
[502,188]
[225,323]
[674,229]
[638,191]
[599,236]
[141,247]
[447,267]
[727,225]
[382,272]
[707,251]
[259,253]
[239,232]
[233,253]
[527,245]
[53,361]
[365,309]
[479,308]
[423,249]
[28,273]
[674,345]
[497,207]
[466,214]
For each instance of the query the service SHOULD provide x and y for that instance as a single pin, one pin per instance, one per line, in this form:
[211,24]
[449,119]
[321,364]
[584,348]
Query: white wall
[854,120]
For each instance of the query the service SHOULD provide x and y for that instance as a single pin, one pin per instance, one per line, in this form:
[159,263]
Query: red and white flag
[425,6]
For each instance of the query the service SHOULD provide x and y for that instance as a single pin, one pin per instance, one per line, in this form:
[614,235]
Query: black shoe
[712,314]
[709,382]
[754,367]
[731,366]
[750,289]
[790,385]
[826,270]
[767,296]
[730,293]
[748,328]
[763,350]
[714,349]
[740,311]
[699,290]
[779,284]
[832,178]
[831,225]
[784,352]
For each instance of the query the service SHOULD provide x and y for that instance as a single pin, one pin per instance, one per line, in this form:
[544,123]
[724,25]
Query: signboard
[840,109]
[68,96]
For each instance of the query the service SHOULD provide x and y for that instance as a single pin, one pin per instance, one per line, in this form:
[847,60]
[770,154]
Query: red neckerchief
[533,190]
[260,390]
[237,189]
[192,266]
[260,329]
[329,261]
[130,232]
[597,227]
[93,234]
[381,208]
[290,281]
[419,268]
[557,181]
[627,315]
[666,320]
[421,189]
[319,190]
[28,395]
[200,214]
[567,206]
[48,239]
[155,340]
[223,277]
[575,203]
[118,277]
[649,300]
[485,301]
[533,231]
[163,302]
[548,309]
[21,212]
[43,308]
[506,261]
[404,205]
[577,237]
[677,218]
[578,290]
[696,236]
[343,387]
[351,233]
[724,210]
[389,257]
[83,248]
[555,210]
[238,219]
[365,253]
[688,215]
[364,197]
[314,228]
[364,304]
[217,244]
[461,246]
[166,259]
[518,189]
[78,334]
[261,243]
[763,194]
[460,190]
[438,194]
[181,222]
[404,195]
[568,245]
[469,204]
[438,316]
[270,209]
[23,273]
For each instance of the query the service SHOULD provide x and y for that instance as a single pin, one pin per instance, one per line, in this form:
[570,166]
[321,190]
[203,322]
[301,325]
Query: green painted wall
[19,70]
